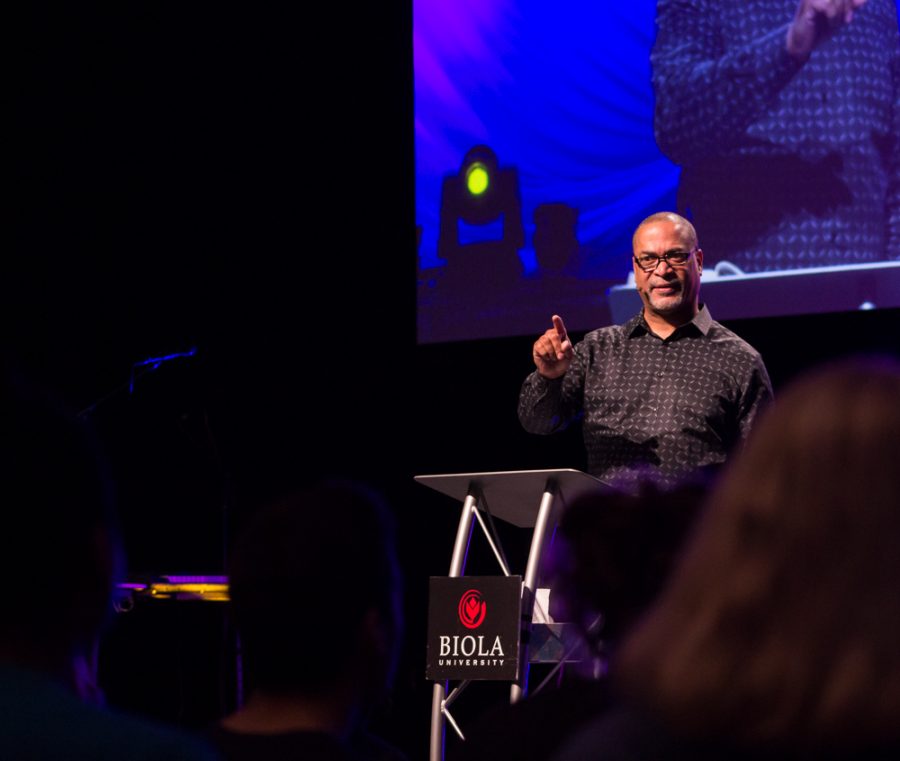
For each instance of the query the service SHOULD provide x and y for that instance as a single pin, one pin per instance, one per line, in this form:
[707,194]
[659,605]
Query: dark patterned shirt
[653,408]
[785,165]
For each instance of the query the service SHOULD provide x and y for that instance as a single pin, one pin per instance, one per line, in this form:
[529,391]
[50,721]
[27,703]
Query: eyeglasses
[649,262]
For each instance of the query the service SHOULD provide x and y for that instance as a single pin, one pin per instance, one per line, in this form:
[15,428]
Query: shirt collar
[636,324]
[702,321]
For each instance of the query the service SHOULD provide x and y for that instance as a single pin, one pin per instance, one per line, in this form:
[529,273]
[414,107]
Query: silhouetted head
[613,552]
[315,587]
[782,622]
[59,547]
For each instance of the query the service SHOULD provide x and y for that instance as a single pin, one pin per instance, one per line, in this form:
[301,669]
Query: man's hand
[552,352]
[816,21]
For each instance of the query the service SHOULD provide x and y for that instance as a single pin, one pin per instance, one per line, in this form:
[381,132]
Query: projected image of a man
[788,111]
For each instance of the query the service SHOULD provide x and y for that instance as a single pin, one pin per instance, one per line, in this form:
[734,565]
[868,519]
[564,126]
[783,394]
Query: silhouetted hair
[303,575]
[782,623]
[622,547]
[59,542]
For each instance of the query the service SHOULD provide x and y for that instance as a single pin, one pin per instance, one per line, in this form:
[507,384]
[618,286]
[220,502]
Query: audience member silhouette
[777,636]
[315,588]
[609,558]
[59,557]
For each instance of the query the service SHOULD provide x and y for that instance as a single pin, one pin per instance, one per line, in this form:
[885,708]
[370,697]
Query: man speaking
[669,392]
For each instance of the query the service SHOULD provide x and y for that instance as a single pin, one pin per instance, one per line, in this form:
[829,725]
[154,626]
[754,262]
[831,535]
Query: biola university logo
[470,651]
[473,627]
[472,609]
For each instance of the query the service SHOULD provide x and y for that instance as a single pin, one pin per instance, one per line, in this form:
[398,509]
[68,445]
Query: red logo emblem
[472,609]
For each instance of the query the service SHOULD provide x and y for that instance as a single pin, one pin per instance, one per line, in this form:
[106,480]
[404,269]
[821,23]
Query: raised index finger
[560,327]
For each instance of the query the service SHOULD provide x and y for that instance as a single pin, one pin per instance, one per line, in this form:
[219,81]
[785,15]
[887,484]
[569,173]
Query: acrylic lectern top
[515,495]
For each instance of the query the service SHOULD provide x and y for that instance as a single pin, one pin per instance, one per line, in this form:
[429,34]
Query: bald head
[683,227]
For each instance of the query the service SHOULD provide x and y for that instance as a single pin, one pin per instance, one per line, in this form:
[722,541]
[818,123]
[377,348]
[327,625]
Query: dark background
[238,180]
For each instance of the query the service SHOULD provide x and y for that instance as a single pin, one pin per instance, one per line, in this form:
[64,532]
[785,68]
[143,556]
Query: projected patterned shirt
[785,165]
[652,408]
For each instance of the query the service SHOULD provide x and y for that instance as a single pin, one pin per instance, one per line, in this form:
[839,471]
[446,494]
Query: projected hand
[815,21]
[552,352]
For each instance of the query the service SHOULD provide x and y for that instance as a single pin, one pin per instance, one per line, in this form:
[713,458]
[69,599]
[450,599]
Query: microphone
[153,363]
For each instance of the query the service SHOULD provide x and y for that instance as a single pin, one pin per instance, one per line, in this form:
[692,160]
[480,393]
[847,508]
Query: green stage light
[477,178]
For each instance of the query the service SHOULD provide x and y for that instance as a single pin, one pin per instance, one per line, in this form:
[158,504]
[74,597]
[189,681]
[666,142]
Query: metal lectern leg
[457,566]
[529,584]
[436,744]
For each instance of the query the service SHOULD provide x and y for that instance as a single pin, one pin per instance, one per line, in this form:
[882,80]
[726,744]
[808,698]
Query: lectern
[524,498]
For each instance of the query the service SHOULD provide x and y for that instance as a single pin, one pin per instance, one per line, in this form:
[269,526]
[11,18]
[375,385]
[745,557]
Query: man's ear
[699,255]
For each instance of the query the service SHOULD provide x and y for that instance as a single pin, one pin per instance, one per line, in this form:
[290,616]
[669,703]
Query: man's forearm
[542,408]
[708,95]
